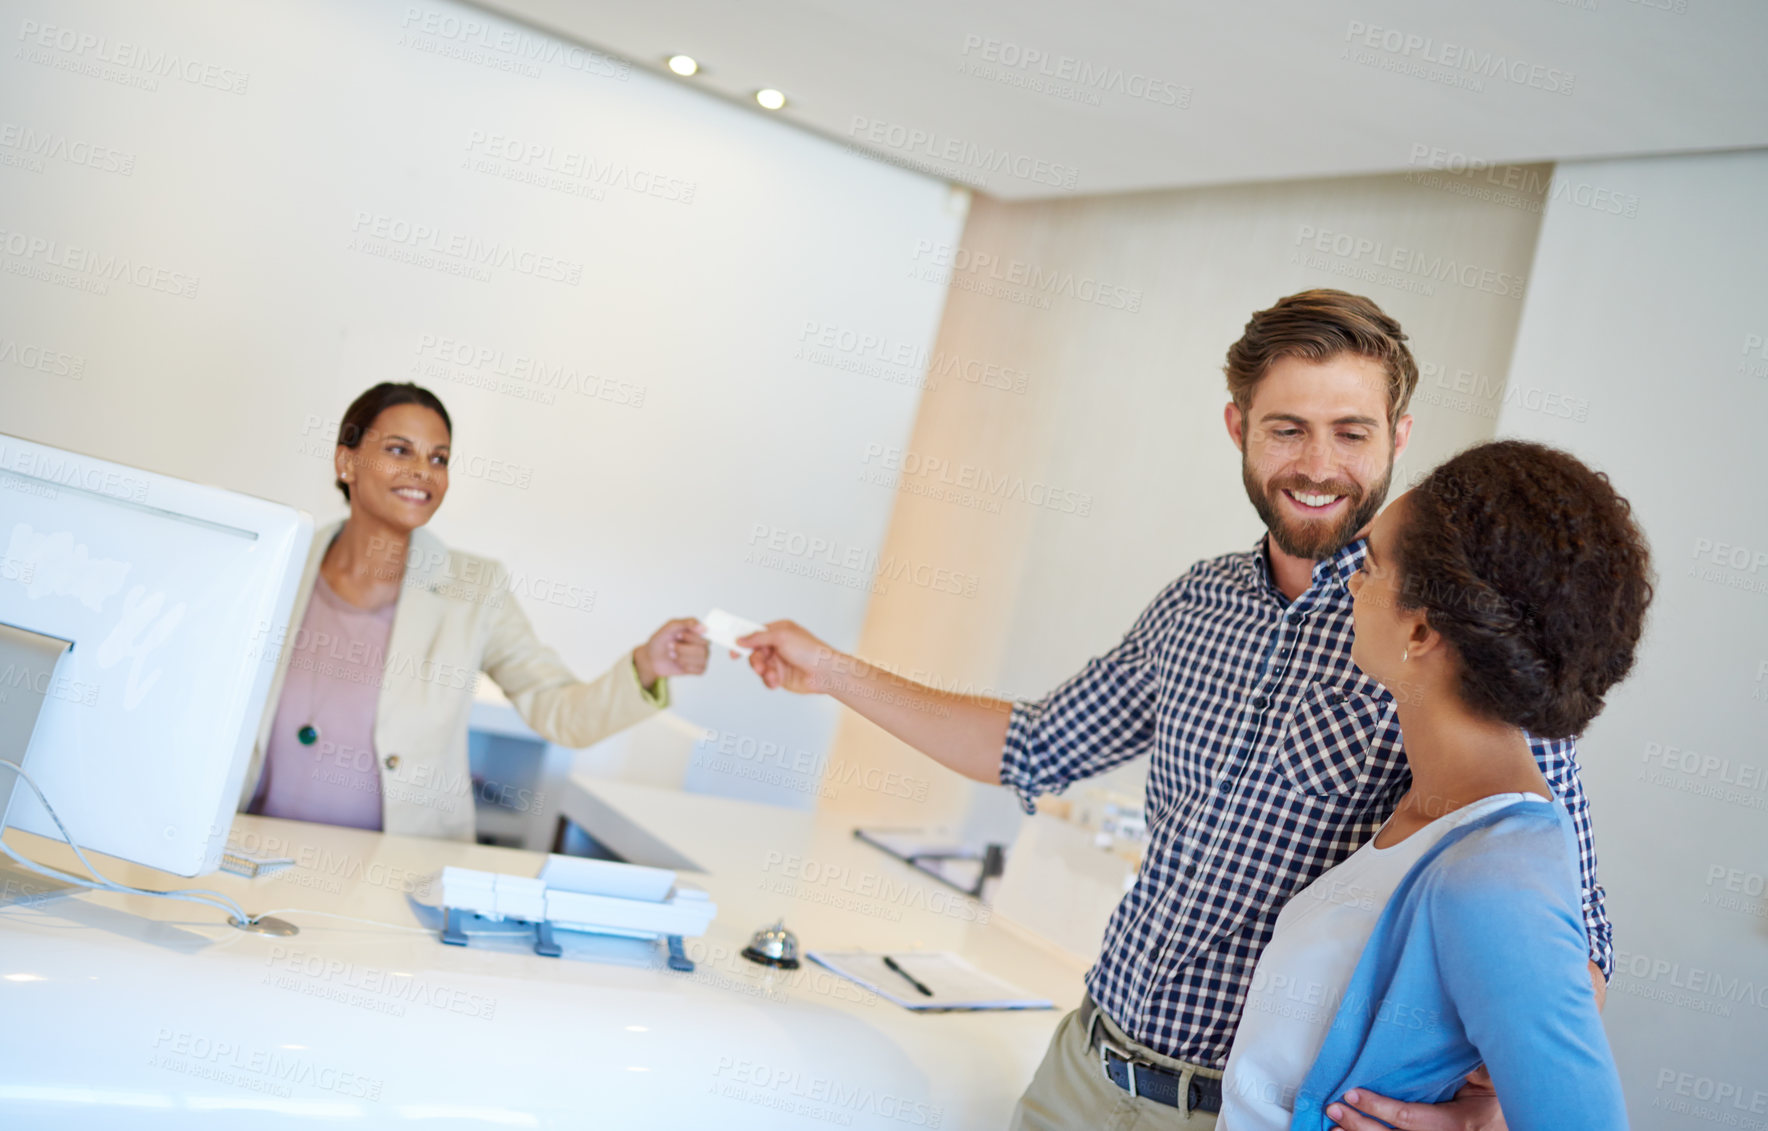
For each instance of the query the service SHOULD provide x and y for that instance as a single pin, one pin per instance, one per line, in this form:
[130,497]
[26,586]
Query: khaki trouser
[1070,1092]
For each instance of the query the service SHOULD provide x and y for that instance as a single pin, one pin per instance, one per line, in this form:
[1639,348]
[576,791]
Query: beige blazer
[456,618]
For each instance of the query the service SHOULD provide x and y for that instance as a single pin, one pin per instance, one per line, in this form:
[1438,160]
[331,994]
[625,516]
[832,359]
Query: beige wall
[1120,420]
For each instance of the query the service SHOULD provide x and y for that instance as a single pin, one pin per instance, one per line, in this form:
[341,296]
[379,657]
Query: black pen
[912,980]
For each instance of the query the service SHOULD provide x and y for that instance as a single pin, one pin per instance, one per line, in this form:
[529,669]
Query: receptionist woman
[367,723]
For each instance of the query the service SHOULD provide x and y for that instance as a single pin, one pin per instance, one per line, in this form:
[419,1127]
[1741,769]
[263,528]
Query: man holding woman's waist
[1507,590]
[1274,757]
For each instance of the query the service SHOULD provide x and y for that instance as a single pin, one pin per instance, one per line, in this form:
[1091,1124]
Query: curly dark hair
[1533,568]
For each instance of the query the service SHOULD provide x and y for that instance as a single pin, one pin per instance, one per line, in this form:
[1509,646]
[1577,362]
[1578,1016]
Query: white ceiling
[1239,91]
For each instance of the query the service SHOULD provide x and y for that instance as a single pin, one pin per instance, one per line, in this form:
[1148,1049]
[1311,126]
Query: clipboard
[956,985]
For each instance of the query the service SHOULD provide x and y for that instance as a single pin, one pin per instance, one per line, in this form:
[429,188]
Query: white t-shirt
[1301,977]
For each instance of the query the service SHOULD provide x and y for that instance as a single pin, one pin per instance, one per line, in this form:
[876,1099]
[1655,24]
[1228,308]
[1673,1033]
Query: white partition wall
[1652,328]
[643,306]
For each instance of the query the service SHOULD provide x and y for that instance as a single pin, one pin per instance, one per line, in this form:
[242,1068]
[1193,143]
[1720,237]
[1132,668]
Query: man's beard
[1315,540]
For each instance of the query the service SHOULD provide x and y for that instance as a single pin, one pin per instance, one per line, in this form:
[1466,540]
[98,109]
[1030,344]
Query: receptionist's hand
[678,648]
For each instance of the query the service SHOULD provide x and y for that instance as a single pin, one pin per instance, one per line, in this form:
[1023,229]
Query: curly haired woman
[1502,597]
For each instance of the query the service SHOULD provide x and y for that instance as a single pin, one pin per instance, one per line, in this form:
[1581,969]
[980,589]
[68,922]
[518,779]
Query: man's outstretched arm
[1099,718]
[965,733]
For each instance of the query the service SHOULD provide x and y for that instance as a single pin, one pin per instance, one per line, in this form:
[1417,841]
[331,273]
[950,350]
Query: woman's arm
[1513,957]
[560,707]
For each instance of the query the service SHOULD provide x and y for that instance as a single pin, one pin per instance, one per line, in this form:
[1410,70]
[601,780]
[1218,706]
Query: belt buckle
[1106,1048]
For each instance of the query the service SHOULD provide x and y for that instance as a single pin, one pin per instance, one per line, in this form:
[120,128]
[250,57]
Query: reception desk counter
[128,1011]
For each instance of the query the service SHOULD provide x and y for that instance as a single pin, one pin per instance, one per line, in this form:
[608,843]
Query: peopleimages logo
[1755,355]
[962,261]
[70,471]
[254,1068]
[1084,76]
[769,545]
[132,64]
[1693,987]
[1428,51]
[518,48]
[876,894]
[1488,393]
[822,1098]
[551,166]
[56,363]
[81,268]
[1513,184]
[1408,261]
[839,347]
[37,146]
[908,464]
[1733,889]
[934,146]
[512,371]
[374,229]
[1730,1096]
[1720,769]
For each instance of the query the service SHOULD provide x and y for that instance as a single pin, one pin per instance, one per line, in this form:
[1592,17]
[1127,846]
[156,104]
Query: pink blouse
[333,684]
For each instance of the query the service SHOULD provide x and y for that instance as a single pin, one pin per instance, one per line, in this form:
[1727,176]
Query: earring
[1406,653]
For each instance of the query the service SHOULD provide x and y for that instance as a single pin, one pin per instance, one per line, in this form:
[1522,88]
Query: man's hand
[677,648]
[964,733]
[786,655]
[1474,1108]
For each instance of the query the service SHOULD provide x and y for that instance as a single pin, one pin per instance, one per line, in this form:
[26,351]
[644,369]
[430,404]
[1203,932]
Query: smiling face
[398,474]
[1317,451]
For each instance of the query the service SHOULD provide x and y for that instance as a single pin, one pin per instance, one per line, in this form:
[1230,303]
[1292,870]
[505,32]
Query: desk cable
[102,882]
[348,918]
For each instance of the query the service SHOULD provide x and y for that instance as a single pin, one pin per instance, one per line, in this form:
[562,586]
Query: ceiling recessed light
[684,65]
[770,99]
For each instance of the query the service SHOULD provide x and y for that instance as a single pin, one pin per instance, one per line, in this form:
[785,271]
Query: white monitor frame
[169,591]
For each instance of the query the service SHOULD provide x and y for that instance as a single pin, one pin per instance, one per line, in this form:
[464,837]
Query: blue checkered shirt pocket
[1330,746]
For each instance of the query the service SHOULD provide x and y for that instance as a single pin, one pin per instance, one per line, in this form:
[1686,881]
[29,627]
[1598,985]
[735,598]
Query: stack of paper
[955,983]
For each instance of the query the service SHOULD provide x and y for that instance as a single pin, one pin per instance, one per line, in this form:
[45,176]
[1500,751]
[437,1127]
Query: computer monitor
[164,590]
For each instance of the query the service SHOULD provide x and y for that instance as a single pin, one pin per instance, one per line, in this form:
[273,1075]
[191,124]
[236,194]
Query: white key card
[723,629]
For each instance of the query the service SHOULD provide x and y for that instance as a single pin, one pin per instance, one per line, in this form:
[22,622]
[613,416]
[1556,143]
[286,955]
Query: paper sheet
[955,983]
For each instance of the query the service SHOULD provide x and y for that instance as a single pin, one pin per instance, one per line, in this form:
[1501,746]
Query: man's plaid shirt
[1274,758]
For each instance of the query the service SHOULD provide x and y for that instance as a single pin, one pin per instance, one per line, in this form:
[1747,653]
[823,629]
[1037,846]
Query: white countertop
[123,1010]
